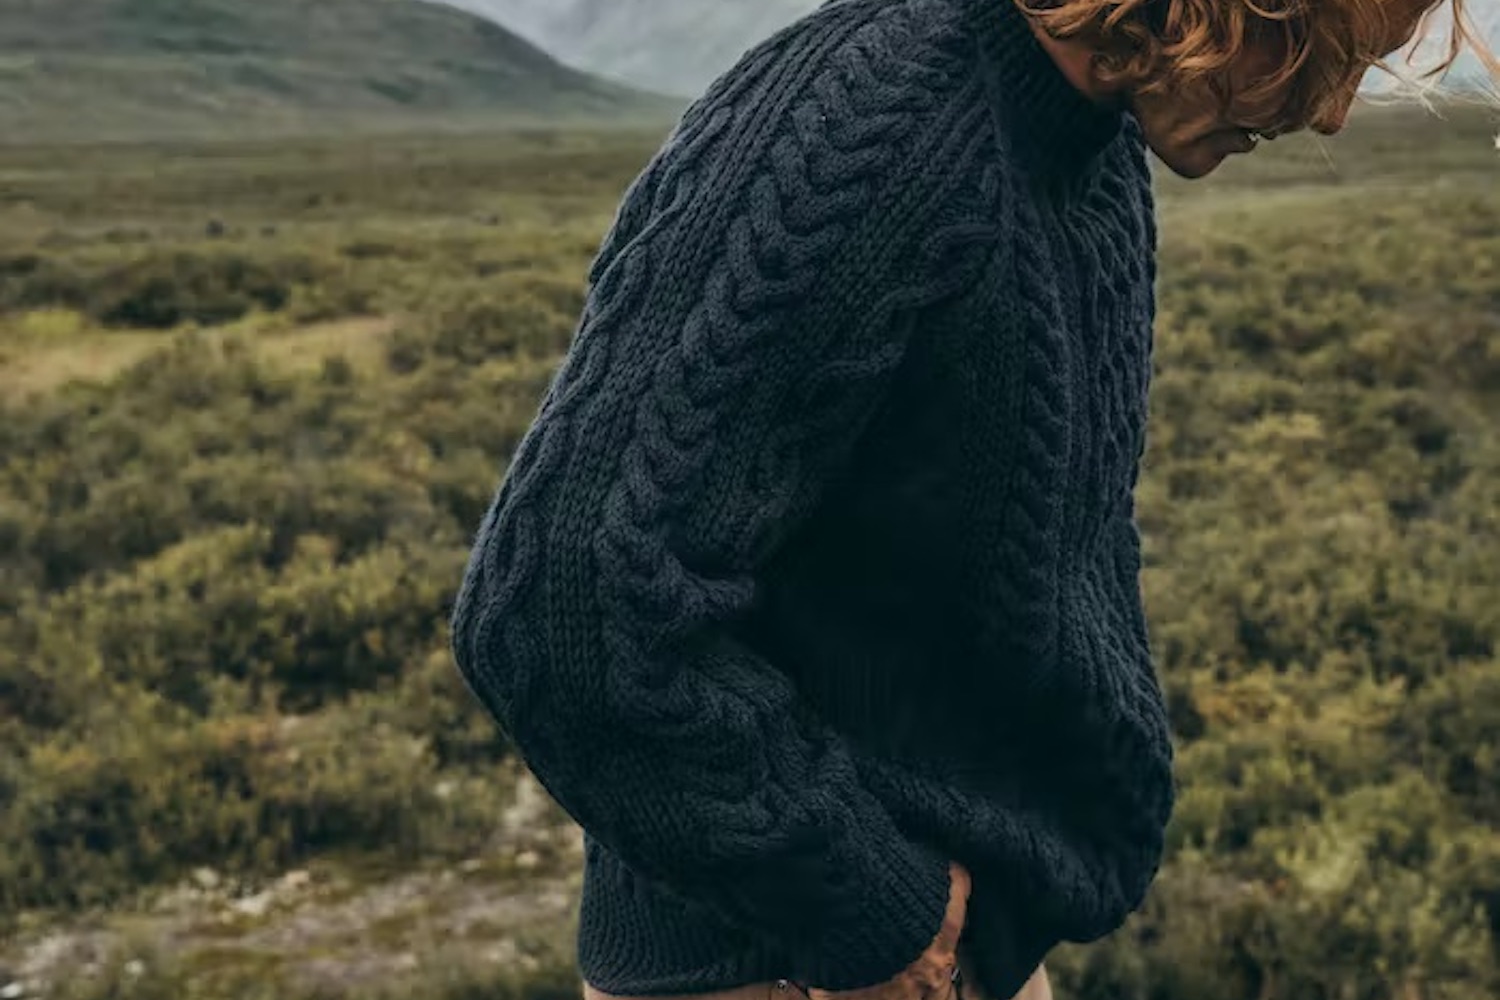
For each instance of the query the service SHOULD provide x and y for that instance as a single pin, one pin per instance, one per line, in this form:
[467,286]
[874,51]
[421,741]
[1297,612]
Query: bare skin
[1189,132]
[930,977]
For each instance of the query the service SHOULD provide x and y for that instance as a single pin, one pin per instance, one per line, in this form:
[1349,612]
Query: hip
[965,986]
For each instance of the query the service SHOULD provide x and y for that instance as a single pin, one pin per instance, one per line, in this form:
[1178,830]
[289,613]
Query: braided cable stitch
[859,303]
[747,320]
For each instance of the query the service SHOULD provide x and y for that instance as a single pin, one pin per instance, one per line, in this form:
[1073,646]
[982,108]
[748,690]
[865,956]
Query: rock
[63,950]
[206,878]
[177,899]
[253,906]
[12,990]
[571,841]
[528,860]
[294,880]
[134,967]
[502,952]
[470,866]
[528,806]
[556,900]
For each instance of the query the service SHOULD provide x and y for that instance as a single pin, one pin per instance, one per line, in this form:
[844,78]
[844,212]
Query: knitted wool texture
[818,565]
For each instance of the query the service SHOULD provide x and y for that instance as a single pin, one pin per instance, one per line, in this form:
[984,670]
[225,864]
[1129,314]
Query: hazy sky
[678,45]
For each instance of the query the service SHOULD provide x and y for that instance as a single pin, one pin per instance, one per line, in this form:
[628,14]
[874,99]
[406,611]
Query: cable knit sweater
[818,566]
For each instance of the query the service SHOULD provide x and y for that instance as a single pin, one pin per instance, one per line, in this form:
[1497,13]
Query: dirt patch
[331,926]
[359,340]
[28,370]
[316,930]
[33,366]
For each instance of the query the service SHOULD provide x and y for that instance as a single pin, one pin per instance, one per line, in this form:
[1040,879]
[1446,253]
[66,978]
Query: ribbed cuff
[894,912]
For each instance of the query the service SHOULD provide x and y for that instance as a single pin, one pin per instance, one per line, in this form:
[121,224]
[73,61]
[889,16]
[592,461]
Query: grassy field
[254,398]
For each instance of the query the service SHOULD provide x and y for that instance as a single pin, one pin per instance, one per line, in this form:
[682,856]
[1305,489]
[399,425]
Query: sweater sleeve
[730,350]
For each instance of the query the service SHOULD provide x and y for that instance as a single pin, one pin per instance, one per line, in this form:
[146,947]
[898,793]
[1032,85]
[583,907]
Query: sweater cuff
[895,912]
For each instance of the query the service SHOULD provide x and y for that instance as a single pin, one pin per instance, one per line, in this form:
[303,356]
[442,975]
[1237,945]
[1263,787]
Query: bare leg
[1038,987]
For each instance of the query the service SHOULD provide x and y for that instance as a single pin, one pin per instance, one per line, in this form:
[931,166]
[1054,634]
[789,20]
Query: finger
[945,947]
[937,981]
[962,879]
[945,989]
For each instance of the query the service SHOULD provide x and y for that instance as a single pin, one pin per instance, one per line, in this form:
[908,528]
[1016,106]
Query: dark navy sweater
[818,567]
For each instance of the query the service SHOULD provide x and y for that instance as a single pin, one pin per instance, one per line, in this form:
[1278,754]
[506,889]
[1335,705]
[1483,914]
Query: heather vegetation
[254,399]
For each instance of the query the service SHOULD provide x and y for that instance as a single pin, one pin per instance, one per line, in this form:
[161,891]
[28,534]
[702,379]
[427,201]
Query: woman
[812,591]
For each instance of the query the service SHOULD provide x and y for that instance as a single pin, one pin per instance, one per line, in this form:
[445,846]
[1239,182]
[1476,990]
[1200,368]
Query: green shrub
[164,292]
[314,622]
[144,792]
[224,577]
[501,324]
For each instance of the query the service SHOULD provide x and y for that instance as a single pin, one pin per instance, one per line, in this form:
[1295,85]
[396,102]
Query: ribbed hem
[895,912]
[635,938]
[1003,945]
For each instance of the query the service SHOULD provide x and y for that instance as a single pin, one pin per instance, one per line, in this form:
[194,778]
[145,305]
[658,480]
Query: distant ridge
[671,46]
[128,68]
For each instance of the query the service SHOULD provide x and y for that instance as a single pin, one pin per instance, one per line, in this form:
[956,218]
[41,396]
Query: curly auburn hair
[1156,45]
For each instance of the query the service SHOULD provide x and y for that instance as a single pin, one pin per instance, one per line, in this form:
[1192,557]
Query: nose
[1331,121]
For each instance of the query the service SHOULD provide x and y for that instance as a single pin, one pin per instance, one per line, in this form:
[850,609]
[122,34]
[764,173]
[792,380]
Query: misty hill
[124,68]
[672,46]
[679,46]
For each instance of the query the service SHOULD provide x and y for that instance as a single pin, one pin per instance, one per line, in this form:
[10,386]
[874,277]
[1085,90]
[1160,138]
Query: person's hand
[930,977]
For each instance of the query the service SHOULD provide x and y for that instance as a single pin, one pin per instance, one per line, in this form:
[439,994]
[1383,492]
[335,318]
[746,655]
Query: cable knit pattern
[817,568]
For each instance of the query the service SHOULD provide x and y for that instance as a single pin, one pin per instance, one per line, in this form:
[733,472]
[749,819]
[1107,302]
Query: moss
[220,966]
[397,930]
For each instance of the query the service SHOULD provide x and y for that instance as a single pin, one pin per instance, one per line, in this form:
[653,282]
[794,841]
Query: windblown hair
[1155,45]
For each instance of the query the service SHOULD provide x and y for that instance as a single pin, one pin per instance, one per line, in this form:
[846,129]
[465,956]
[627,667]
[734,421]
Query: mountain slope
[678,46]
[672,46]
[106,68]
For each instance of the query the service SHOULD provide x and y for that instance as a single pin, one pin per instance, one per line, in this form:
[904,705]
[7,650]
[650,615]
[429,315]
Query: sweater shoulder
[927,39]
[854,106]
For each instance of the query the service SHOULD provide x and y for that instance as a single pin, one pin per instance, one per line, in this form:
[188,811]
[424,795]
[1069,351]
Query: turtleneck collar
[1052,124]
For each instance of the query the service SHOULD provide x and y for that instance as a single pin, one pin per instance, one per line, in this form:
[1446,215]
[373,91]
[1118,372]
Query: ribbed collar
[1052,123]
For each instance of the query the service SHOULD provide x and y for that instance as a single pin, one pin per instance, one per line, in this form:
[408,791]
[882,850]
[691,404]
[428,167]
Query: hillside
[672,46]
[678,46]
[128,68]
